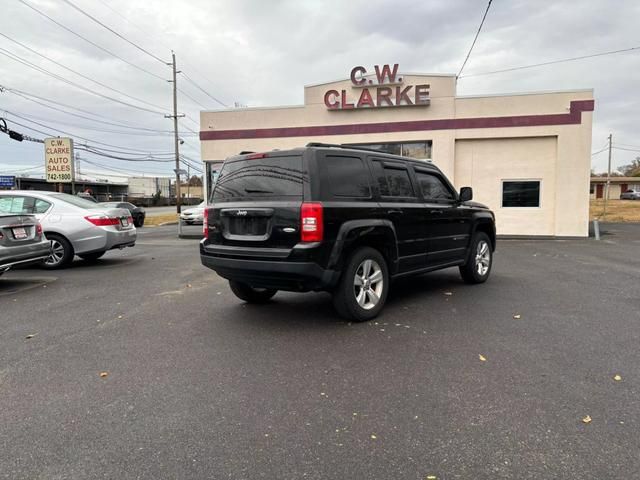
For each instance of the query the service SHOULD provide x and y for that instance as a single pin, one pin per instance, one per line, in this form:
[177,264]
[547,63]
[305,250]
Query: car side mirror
[466,194]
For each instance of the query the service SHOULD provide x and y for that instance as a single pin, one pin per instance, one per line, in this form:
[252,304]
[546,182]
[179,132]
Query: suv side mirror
[466,194]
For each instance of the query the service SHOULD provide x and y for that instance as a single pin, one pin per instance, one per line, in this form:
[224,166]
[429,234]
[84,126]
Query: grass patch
[627,211]
[159,219]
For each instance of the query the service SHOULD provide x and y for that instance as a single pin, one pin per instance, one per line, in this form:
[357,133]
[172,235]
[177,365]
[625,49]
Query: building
[616,187]
[100,190]
[147,187]
[526,155]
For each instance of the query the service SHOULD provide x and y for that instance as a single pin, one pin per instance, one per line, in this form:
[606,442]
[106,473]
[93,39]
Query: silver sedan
[21,241]
[73,225]
[630,195]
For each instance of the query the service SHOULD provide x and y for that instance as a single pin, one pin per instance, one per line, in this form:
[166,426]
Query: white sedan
[193,215]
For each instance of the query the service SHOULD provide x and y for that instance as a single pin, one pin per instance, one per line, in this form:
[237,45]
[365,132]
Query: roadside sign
[58,160]
[7,181]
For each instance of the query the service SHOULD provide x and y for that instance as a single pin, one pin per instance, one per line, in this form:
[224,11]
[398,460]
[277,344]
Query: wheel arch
[486,225]
[376,233]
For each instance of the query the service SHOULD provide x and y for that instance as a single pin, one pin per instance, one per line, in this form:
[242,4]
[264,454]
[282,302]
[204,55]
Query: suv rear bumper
[290,276]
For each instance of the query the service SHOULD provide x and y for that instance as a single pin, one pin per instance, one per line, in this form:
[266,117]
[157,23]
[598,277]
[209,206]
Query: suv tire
[249,294]
[61,252]
[362,290]
[480,260]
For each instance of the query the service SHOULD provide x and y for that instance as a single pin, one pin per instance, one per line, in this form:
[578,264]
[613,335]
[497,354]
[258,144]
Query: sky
[262,53]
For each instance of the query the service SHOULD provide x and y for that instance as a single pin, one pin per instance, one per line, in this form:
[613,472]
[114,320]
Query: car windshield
[76,201]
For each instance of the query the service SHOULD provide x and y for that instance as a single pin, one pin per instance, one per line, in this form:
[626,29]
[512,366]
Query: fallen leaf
[382,329]
[448,294]
[323,394]
[431,477]
[373,437]
[517,316]
[31,335]
[104,374]
[586,419]
[119,316]
[482,359]
[617,378]
[355,414]
[188,285]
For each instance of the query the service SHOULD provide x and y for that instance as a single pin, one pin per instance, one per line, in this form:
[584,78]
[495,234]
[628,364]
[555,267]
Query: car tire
[91,257]
[250,294]
[479,261]
[363,286]
[138,222]
[61,252]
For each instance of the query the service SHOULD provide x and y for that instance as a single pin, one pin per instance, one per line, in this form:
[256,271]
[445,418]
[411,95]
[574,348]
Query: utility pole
[608,186]
[175,129]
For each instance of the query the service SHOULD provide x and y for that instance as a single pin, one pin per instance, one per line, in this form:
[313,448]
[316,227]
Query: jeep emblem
[241,213]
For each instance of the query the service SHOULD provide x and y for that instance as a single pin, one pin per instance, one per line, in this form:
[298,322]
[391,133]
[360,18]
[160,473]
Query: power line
[627,149]
[571,59]
[91,42]
[201,89]
[18,59]
[68,2]
[475,38]
[78,73]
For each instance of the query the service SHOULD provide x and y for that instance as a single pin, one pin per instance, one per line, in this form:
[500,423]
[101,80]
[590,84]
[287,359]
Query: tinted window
[432,187]
[41,206]
[521,194]
[420,150]
[348,176]
[261,177]
[394,181]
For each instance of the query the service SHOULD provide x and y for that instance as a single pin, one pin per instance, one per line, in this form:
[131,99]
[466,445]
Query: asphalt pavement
[145,366]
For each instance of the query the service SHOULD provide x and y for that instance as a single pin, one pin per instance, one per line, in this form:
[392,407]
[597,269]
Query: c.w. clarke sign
[385,89]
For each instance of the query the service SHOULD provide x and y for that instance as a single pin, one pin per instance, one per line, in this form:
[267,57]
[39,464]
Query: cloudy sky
[259,52]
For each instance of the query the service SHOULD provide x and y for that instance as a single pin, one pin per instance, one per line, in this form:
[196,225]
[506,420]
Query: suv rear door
[399,201]
[256,203]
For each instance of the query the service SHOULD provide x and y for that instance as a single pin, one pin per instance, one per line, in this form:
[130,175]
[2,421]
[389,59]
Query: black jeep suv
[342,219]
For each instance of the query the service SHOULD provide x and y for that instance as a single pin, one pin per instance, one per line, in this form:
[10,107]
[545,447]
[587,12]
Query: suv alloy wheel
[478,265]
[362,290]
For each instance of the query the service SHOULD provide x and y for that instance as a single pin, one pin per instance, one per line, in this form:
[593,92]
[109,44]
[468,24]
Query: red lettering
[358,80]
[386,73]
[330,99]
[365,99]
[343,101]
[422,95]
[402,95]
[383,95]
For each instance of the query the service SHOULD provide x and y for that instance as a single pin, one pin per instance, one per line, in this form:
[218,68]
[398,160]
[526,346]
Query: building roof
[616,179]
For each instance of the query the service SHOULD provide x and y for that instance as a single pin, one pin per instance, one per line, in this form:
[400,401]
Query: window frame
[13,197]
[540,191]
[395,165]
[454,194]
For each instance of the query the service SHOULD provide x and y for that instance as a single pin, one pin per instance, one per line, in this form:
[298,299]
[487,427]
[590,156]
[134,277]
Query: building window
[592,188]
[419,150]
[521,193]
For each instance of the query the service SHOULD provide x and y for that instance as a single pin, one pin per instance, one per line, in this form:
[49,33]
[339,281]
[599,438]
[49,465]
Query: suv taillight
[205,222]
[311,223]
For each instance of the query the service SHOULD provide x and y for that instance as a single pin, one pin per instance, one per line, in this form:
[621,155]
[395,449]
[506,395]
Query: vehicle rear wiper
[251,190]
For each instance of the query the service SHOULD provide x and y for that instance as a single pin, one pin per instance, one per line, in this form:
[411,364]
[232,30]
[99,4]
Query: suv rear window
[263,177]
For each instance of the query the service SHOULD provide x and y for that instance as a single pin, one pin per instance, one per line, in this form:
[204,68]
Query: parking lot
[144,365]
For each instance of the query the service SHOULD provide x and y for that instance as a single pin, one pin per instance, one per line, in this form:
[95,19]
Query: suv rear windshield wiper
[251,190]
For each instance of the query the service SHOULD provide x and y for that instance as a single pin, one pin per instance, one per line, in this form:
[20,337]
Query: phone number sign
[58,159]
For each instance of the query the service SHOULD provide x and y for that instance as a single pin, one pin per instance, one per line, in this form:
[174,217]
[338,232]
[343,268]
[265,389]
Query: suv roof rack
[338,145]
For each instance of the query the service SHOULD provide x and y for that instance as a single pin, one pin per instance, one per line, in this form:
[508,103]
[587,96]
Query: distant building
[616,187]
[147,187]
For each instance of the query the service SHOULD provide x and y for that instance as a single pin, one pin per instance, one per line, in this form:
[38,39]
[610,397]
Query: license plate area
[124,222]
[251,226]
[19,233]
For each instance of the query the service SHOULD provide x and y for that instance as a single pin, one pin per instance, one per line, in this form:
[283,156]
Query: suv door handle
[437,212]
[394,212]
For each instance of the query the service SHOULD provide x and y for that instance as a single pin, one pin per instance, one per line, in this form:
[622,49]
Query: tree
[195,181]
[631,170]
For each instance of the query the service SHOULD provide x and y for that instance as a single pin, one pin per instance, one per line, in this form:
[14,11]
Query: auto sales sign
[58,159]
[385,88]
